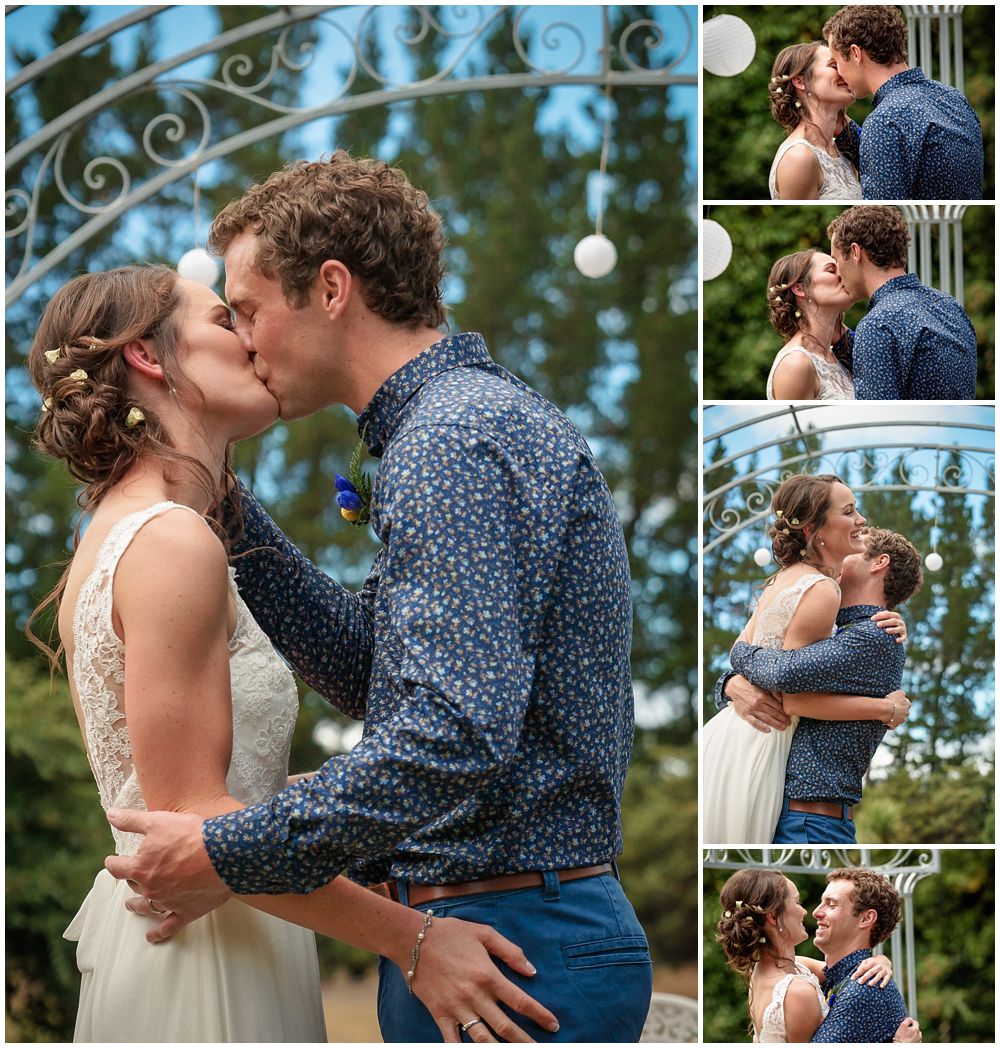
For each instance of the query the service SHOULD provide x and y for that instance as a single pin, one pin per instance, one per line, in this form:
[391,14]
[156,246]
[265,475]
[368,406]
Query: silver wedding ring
[465,1027]
[156,909]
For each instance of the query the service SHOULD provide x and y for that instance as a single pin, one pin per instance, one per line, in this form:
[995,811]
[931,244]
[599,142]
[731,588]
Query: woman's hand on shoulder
[798,176]
[876,970]
[795,378]
[893,623]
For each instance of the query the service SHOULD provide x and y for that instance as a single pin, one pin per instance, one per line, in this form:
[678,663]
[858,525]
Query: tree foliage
[741,136]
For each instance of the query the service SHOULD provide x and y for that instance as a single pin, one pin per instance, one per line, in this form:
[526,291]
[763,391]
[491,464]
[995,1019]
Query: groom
[922,140]
[828,760]
[915,342]
[859,910]
[488,650]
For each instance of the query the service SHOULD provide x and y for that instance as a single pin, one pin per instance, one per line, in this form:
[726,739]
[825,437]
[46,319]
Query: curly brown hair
[879,30]
[362,212]
[77,366]
[881,231]
[801,501]
[904,577]
[746,899]
[788,106]
[872,891]
[782,305]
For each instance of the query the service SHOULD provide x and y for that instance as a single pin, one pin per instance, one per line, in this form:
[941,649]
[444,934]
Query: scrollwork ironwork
[240,75]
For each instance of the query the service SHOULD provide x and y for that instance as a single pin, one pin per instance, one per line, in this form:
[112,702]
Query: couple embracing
[922,140]
[487,652]
[816,675]
[847,998]
[914,343]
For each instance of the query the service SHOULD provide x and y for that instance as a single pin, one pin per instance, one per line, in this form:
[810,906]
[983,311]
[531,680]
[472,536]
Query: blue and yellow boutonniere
[354,492]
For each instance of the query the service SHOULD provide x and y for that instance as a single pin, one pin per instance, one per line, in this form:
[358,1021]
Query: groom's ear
[334,284]
[879,564]
[868,919]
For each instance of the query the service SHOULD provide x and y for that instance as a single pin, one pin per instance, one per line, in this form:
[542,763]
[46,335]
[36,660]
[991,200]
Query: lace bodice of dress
[264,697]
[773,620]
[772,1023]
[838,182]
[835,382]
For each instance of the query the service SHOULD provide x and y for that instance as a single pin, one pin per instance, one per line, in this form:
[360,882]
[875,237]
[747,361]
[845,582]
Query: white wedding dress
[743,769]
[772,1023]
[236,974]
[835,381]
[839,182]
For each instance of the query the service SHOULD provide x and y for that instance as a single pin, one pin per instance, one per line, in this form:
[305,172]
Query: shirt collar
[907,76]
[833,975]
[380,419]
[856,613]
[907,280]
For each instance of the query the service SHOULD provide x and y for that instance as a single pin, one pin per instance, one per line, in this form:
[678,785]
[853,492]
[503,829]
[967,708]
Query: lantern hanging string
[604,158]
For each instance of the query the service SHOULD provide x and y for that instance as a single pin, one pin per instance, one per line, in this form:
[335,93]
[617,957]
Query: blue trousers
[802,827]
[583,937]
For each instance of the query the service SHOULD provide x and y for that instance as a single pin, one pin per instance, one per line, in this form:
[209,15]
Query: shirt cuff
[721,700]
[249,853]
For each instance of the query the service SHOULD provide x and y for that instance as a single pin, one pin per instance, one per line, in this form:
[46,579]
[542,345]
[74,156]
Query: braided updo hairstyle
[89,418]
[787,105]
[747,898]
[800,501]
[783,310]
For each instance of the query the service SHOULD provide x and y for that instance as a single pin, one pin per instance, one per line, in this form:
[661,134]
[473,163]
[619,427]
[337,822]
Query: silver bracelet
[416,950]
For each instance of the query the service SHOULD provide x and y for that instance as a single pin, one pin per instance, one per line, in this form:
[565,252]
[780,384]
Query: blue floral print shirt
[921,141]
[488,650]
[828,760]
[914,343]
[860,1013]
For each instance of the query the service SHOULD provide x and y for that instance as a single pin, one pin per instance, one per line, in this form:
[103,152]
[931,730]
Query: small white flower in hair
[134,417]
[52,355]
[79,375]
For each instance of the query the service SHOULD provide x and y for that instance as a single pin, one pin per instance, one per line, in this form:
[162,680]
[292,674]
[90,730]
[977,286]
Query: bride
[817,525]
[808,98]
[760,926]
[806,300]
[181,699]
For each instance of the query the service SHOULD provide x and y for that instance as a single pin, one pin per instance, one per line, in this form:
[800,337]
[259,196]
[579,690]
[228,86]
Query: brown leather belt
[835,809]
[505,882]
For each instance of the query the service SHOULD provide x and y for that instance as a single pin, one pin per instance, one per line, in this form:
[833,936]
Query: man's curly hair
[362,212]
[881,231]
[904,577]
[872,891]
[879,30]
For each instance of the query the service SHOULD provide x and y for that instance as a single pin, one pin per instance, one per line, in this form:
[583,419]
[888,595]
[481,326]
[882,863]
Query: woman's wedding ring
[156,909]
[465,1027]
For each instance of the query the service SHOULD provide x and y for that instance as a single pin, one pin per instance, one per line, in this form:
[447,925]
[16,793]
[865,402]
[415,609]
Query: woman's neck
[154,478]
[819,126]
[820,327]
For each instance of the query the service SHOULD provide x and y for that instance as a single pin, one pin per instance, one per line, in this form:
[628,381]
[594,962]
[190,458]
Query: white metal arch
[614,64]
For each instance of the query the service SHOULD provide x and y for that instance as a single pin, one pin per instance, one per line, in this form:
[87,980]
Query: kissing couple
[849,998]
[816,675]
[479,817]
[922,140]
[914,343]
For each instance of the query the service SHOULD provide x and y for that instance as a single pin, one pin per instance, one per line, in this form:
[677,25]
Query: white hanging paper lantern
[717,249]
[728,45]
[595,256]
[933,561]
[762,557]
[198,265]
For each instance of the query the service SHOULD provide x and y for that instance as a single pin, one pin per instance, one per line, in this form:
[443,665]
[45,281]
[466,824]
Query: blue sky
[569,29]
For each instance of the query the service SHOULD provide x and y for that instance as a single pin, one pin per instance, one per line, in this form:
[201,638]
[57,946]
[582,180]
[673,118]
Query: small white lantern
[728,45]
[762,557]
[717,249]
[595,256]
[198,265]
[933,561]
